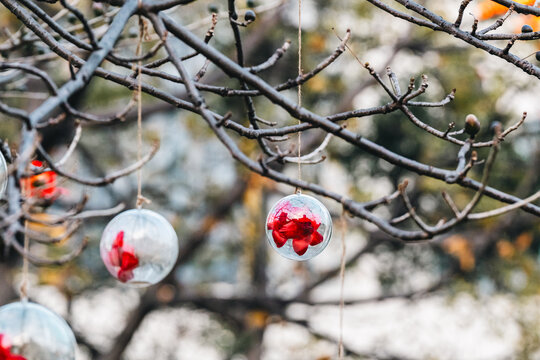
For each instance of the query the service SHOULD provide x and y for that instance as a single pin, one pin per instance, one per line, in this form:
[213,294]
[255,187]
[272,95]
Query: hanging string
[24,282]
[342,282]
[138,51]
[299,89]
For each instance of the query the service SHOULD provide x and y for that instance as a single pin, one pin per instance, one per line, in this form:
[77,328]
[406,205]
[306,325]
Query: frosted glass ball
[139,247]
[3,175]
[299,227]
[29,331]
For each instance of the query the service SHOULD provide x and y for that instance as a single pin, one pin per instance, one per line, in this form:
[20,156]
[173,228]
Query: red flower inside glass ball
[123,257]
[29,331]
[139,247]
[299,227]
[5,349]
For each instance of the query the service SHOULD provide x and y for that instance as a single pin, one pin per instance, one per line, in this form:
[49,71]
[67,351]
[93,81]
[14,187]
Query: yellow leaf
[488,8]
[52,231]
[316,43]
[317,84]
[460,248]
[256,319]
[523,241]
[505,249]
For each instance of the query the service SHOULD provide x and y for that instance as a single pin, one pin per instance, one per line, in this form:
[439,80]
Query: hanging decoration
[29,331]
[3,176]
[299,227]
[139,247]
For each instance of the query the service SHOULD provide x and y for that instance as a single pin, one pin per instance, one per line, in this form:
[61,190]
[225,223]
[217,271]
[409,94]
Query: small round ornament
[29,331]
[3,175]
[299,227]
[139,247]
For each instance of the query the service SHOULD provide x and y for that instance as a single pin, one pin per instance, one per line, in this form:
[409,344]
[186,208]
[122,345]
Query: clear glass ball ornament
[3,175]
[299,227]
[139,247]
[29,331]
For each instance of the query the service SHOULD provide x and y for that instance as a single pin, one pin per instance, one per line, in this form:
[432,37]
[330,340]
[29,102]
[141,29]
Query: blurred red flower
[42,185]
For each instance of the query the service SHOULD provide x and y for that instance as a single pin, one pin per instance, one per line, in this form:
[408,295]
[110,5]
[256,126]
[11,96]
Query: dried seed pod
[472,125]
[526,29]
[250,15]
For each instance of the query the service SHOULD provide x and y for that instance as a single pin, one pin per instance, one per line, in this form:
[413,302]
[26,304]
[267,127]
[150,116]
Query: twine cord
[140,198]
[342,283]
[300,73]
[24,282]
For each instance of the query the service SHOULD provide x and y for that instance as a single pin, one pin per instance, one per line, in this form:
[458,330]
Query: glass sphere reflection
[299,227]
[139,247]
[3,175]
[29,331]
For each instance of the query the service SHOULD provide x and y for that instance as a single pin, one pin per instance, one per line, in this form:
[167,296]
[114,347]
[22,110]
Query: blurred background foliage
[485,271]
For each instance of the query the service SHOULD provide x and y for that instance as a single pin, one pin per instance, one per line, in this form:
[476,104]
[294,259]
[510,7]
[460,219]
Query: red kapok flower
[42,185]
[123,257]
[287,224]
[5,350]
